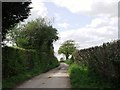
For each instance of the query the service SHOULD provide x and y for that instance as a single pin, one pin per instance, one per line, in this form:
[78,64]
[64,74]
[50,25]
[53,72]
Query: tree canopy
[67,48]
[13,13]
[37,34]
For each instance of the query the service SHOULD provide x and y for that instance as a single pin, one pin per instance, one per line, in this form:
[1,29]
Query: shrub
[81,77]
[104,60]
[18,62]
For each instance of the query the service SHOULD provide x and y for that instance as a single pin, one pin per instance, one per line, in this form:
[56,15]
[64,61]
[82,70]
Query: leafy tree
[13,13]
[37,34]
[67,48]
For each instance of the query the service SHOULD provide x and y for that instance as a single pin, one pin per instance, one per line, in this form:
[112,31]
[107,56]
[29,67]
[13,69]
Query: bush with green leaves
[37,34]
[36,52]
[19,61]
[81,77]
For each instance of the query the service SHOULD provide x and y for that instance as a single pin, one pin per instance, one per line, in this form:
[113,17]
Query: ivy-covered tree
[67,48]
[13,13]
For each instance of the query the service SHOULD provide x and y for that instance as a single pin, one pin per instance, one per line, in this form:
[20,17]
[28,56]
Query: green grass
[69,61]
[81,77]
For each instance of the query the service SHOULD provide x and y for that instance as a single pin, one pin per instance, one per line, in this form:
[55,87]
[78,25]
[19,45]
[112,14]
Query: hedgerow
[103,60]
[17,62]
[36,37]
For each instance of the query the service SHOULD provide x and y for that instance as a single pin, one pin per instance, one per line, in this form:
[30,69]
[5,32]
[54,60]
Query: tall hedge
[104,60]
[17,60]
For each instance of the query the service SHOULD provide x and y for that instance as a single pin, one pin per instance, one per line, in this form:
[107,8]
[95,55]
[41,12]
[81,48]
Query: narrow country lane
[56,78]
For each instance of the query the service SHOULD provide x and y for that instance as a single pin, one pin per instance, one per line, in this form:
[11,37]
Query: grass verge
[81,77]
[13,81]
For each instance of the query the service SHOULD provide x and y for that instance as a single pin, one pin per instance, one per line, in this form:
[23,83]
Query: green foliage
[20,64]
[37,34]
[69,62]
[81,77]
[103,60]
[67,48]
[20,78]
[16,60]
[36,37]
[13,13]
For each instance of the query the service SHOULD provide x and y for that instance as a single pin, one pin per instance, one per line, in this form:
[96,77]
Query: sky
[88,22]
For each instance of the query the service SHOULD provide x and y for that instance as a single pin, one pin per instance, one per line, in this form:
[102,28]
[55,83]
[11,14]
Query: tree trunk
[67,55]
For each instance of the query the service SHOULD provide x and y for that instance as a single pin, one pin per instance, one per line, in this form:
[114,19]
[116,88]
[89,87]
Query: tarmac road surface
[55,78]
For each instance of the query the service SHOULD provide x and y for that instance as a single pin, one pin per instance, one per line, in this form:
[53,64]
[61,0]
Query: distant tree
[13,13]
[67,48]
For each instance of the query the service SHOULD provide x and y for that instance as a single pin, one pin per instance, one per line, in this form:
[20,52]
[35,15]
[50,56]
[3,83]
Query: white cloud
[97,22]
[74,6]
[98,31]
[103,27]
[63,25]
[38,9]
[57,17]
[90,7]
[103,22]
